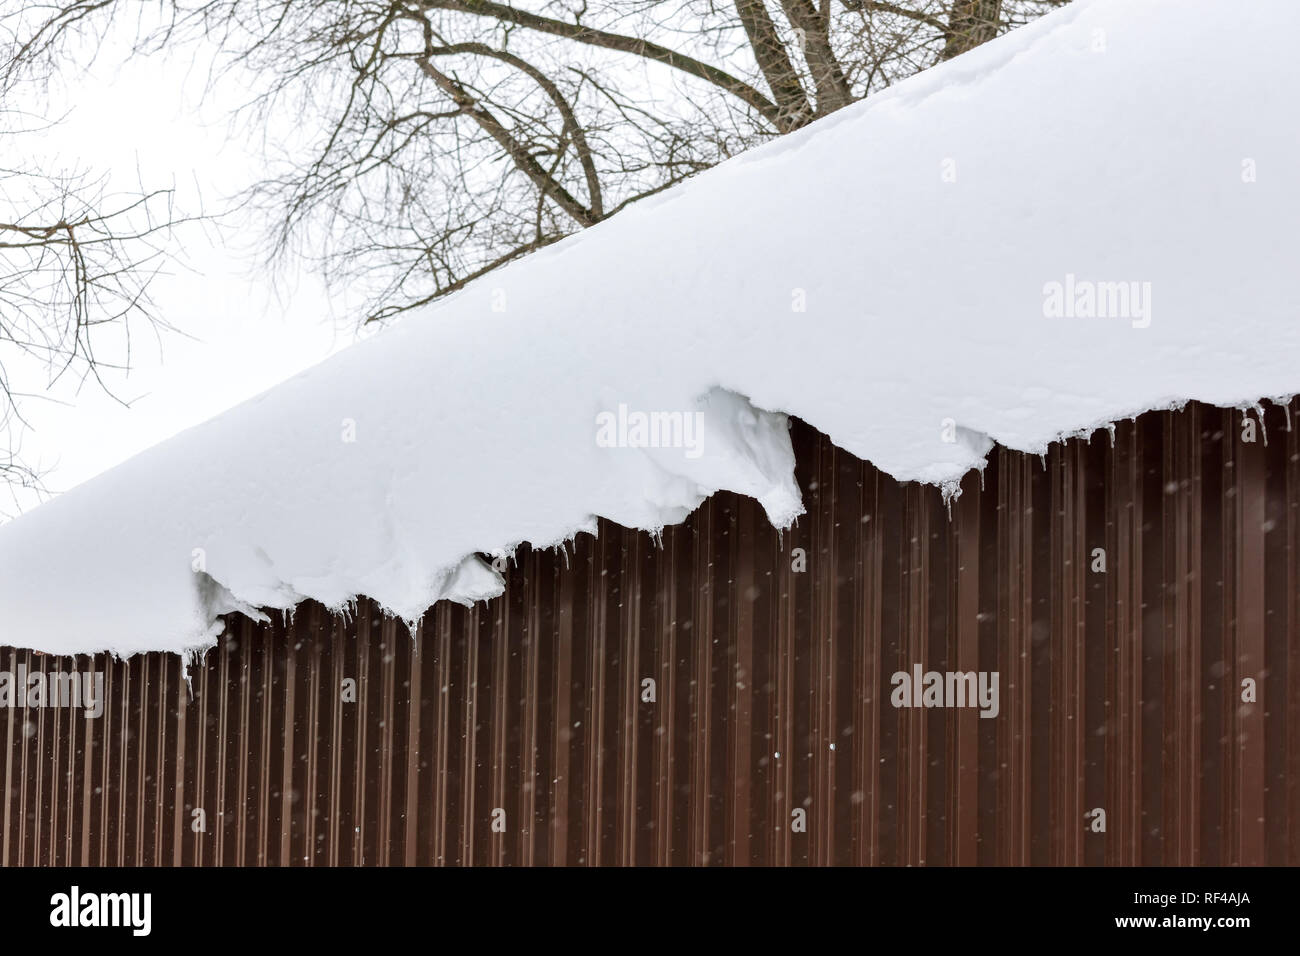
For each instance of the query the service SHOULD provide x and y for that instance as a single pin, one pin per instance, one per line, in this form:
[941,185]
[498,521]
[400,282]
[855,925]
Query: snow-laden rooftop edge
[911,276]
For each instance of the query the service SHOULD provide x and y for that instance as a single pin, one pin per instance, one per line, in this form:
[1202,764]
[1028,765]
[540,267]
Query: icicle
[191,658]
[185,672]
[950,490]
[347,610]
[1258,409]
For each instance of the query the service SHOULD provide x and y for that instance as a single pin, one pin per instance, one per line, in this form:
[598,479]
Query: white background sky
[152,120]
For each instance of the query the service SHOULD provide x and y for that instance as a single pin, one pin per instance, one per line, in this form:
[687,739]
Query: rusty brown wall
[1120,690]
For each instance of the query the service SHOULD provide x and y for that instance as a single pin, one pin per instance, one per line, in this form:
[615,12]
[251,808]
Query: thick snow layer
[913,276]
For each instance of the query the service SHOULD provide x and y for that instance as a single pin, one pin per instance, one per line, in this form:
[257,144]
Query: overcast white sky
[150,120]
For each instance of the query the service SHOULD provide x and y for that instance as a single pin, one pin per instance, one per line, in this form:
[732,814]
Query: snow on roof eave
[1065,227]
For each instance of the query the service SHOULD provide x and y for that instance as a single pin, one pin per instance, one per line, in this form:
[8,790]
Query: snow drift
[1089,218]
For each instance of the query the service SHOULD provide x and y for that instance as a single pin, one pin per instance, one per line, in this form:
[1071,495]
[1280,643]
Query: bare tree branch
[440,139]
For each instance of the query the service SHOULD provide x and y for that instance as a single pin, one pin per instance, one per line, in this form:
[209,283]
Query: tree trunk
[970,23]
[774,62]
[832,88]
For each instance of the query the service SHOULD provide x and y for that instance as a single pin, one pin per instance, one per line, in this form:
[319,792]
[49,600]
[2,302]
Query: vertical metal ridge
[1248,643]
[1125,685]
[163,705]
[627,698]
[1182,635]
[741,625]
[411,806]
[31,729]
[178,784]
[469,737]
[1067,649]
[821,729]
[530,699]
[314,811]
[334,798]
[500,648]
[963,832]
[562,724]
[913,802]
[10,849]
[779,743]
[111,693]
[267,793]
[440,686]
[664,770]
[1015,653]
[701,699]
[239,805]
[1290,712]
[385,775]
[58,738]
[588,727]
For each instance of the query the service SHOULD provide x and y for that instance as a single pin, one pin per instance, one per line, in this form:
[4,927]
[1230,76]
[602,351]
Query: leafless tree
[418,144]
[75,257]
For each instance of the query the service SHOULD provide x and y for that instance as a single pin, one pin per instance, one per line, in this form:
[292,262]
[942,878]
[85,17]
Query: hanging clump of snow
[1088,218]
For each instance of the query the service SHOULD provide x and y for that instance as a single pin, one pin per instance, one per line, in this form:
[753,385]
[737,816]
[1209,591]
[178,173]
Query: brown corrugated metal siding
[1120,690]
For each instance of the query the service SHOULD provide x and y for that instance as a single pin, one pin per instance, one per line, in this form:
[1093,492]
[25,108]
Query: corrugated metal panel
[1120,690]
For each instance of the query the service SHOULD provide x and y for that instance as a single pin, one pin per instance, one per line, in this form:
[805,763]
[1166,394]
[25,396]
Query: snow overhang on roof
[1088,218]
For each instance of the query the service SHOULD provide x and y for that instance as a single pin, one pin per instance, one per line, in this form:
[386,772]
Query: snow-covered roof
[1088,218]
